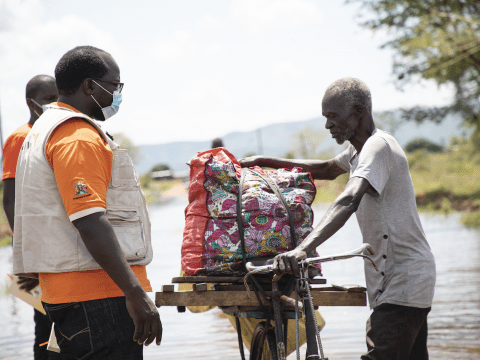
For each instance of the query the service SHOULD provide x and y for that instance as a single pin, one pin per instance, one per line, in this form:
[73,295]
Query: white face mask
[112,109]
[44,107]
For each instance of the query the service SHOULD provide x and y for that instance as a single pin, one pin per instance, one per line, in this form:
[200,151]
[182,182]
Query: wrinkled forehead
[334,100]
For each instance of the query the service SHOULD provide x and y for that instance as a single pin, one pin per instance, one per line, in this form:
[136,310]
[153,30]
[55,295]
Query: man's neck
[33,118]
[74,102]
[362,134]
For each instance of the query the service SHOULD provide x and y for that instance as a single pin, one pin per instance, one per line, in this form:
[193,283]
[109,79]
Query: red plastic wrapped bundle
[211,241]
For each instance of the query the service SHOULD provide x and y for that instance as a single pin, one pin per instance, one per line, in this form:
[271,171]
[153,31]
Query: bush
[160,167]
[472,219]
[418,144]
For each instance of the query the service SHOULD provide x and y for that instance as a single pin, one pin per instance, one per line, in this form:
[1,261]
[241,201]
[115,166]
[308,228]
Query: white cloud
[214,50]
[16,12]
[168,49]
[259,14]
[40,45]
[204,91]
[288,69]
[210,22]
[30,46]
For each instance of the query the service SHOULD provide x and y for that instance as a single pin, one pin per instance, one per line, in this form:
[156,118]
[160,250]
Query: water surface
[454,323]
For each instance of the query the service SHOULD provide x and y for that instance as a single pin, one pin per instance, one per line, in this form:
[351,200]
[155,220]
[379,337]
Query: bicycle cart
[262,295]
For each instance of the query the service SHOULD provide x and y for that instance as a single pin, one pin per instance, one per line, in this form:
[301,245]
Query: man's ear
[30,104]
[359,110]
[88,86]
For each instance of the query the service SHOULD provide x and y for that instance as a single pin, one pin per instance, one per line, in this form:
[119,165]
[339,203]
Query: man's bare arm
[101,242]
[9,200]
[26,283]
[320,169]
[337,215]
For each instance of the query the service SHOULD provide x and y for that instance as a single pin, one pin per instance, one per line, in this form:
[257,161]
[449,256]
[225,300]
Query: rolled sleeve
[342,159]
[82,163]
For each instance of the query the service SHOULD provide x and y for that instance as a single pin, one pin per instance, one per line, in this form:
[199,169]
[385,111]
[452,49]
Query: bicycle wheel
[263,345]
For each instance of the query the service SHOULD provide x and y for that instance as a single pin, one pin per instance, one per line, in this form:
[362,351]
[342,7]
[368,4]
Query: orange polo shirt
[11,150]
[82,162]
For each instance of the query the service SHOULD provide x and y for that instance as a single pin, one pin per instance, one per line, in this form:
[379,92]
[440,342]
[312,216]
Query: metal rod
[278,323]
[240,340]
[311,261]
[312,346]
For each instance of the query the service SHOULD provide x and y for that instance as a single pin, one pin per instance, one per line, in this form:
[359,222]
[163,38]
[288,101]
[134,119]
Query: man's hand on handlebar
[288,262]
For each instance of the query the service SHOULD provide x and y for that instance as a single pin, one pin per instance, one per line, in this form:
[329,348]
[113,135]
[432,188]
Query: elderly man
[380,192]
[81,221]
[40,91]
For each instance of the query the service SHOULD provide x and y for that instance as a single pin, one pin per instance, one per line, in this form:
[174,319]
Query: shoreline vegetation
[445,182]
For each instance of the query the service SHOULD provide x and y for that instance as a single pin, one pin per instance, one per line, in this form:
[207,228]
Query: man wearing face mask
[40,91]
[81,221]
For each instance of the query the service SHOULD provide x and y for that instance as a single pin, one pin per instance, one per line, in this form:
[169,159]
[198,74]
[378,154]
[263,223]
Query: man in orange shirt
[81,222]
[41,90]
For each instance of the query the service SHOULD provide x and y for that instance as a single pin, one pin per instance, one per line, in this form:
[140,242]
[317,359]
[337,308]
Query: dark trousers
[396,332]
[43,326]
[96,329]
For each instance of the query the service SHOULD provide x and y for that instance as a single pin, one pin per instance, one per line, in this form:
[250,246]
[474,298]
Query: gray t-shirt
[390,223]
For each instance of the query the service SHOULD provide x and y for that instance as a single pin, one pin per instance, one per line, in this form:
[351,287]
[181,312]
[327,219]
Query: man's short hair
[354,91]
[217,143]
[35,84]
[77,65]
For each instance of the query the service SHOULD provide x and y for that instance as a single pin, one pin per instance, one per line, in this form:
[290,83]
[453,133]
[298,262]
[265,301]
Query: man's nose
[328,124]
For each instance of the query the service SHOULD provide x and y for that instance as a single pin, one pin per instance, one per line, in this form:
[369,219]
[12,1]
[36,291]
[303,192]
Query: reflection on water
[454,323]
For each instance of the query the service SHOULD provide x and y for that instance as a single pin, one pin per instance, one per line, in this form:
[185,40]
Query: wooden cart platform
[230,292]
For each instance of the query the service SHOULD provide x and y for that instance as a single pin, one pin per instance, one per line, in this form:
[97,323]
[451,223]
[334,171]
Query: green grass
[472,219]
[6,241]
[155,190]
[448,182]
[327,191]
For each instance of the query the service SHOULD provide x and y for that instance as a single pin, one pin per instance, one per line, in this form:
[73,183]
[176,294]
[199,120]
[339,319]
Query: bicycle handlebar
[310,261]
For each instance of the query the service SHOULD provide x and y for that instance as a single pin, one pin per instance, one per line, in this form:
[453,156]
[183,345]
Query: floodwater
[454,322]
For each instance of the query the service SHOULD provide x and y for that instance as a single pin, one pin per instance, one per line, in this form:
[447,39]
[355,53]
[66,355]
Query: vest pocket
[129,231]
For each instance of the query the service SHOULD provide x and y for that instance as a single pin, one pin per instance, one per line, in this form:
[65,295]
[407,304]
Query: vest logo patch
[80,188]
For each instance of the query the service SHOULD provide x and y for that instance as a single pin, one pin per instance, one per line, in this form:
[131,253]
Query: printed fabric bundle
[211,242]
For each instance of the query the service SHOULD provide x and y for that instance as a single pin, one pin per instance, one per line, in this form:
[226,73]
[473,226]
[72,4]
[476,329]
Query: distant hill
[277,140]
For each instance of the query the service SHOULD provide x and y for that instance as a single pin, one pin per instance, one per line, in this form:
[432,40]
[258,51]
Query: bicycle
[272,302]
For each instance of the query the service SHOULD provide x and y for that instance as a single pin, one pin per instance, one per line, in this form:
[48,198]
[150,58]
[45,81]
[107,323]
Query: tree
[290,155]
[433,39]
[160,167]
[306,143]
[126,143]
[421,143]
[387,121]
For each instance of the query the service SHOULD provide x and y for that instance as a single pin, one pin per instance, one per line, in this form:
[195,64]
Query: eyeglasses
[118,84]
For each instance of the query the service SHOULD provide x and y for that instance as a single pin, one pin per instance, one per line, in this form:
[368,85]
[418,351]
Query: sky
[199,69]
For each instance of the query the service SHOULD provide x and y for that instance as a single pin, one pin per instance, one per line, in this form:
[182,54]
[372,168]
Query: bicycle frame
[307,307]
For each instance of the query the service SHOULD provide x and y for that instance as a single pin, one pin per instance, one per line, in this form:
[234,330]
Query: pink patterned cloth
[213,247]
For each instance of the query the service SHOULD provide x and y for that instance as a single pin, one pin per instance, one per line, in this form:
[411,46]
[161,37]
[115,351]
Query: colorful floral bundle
[211,243]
